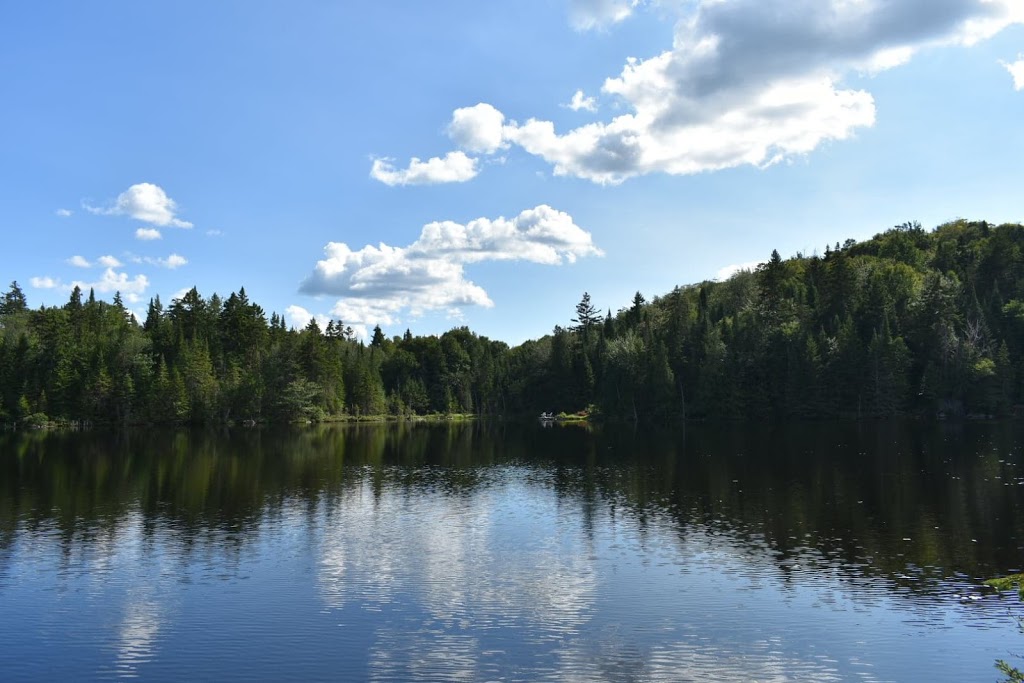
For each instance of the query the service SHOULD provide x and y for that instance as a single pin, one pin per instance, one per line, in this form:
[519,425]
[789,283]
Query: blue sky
[427,165]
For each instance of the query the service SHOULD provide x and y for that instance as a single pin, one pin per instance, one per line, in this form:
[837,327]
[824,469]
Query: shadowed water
[477,551]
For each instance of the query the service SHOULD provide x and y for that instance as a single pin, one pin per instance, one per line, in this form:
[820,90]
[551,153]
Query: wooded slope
[911,321]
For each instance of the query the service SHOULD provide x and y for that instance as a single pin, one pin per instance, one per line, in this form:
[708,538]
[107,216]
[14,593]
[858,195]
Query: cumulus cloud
[376,284]
[541,235]
[148,234]
[63,213]
[298,317]
[785,118]
[111,281]
[478,129]
[754,82]
[171,262]
[454,167]
[105,261]
[580,101]
[180,294]
[145,202]
[1016,70]
[45,282]
[745,82]
[585,15]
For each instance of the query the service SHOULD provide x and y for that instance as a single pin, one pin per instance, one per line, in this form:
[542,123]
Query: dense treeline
[216,360]
[910,321]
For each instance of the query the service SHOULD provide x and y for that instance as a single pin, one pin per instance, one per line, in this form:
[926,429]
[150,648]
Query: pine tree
[13,301]
[378,339]
[586,315]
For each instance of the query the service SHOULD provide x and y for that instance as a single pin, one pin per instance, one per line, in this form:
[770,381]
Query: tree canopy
[910,321]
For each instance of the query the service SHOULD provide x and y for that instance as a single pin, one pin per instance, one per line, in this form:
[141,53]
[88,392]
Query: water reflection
[137,634]
[486,563]
[475,551]
[699,662]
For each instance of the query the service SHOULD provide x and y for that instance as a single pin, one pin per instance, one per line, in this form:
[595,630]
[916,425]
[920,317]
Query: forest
[914,322]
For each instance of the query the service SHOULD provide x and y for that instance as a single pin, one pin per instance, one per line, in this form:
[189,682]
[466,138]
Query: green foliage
[299,401]
[1008,583]
[13,301]
[36,421]
[910,321]
[1013,674]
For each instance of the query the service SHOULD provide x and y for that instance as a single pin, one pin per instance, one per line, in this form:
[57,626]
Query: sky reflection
[399,555]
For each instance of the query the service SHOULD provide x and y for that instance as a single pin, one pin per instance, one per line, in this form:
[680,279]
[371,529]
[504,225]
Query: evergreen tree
[13,301]
[586,315]
[926,322]
[378,339]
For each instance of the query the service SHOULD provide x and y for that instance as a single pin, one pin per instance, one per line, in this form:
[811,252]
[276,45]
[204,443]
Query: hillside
[909,322]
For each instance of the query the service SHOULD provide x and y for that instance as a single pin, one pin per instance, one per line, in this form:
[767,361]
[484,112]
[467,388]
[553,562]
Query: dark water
[512,552]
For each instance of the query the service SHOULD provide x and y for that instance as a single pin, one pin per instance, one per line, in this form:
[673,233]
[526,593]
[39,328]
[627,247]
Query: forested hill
[911,321]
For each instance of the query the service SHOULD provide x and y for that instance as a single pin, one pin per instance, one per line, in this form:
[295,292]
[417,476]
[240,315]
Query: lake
[507,551]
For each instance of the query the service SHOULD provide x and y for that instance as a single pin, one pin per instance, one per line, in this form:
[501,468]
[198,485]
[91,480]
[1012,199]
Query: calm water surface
[473,552]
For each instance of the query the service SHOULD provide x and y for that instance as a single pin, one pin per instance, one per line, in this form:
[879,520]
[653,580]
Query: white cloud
[148,234]
[580,101]
[378,283]
[745,82]
[585,15]
[44,283]
[298,317]
[757,81]
[171,262]
[541,235]
[1016,70]
[888,58]
[214,233]
[478,129]
[180,294]
[455,167]
[111,281]
[63,213]
[785,118]
[105,261]
[145,202]
[728,271]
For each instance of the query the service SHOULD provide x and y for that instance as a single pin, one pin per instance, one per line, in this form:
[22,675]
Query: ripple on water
[521,570]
